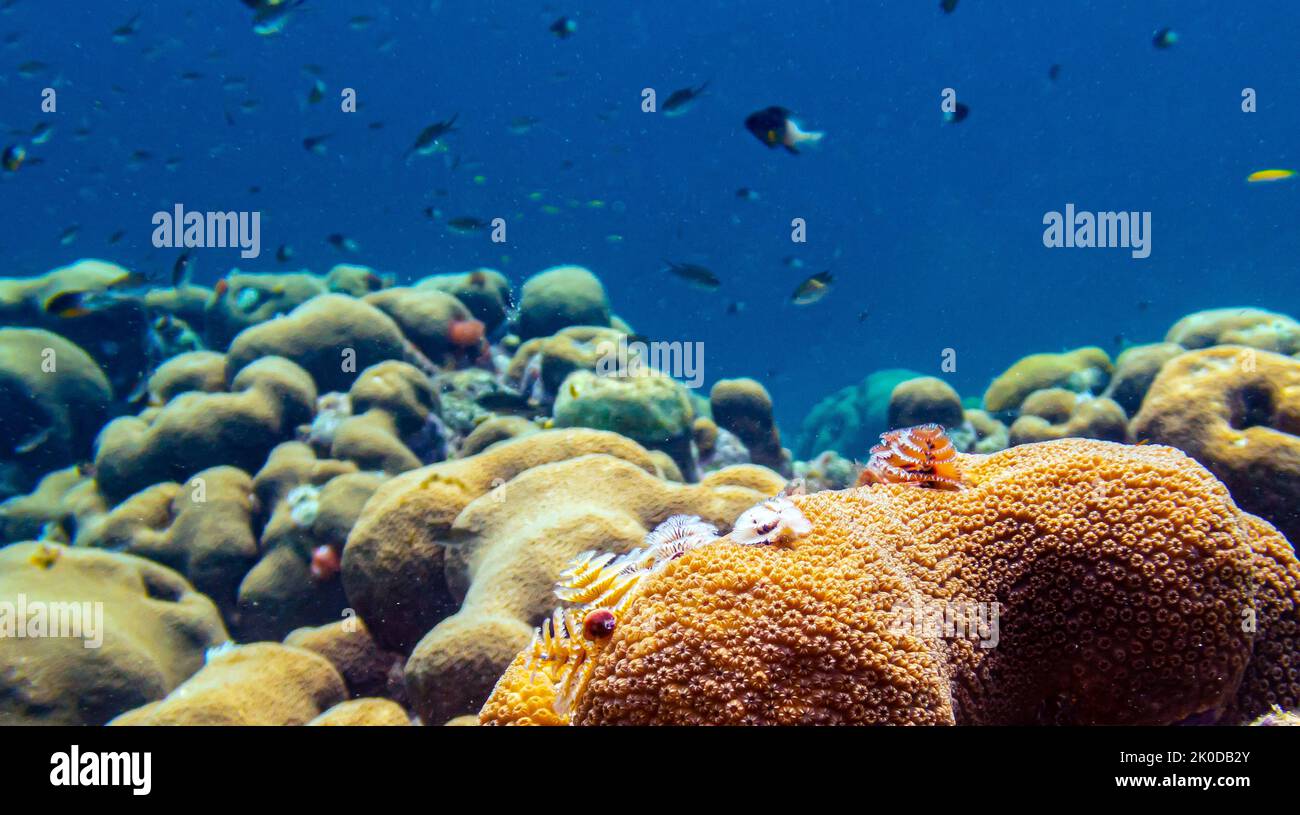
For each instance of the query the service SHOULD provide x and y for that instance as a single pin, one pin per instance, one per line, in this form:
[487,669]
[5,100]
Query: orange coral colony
[921,456]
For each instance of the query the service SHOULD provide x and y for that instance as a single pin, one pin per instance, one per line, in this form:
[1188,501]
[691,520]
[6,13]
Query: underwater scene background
[395,449]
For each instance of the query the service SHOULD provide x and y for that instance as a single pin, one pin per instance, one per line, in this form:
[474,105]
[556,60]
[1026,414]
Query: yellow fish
[1268,175]
[46,556]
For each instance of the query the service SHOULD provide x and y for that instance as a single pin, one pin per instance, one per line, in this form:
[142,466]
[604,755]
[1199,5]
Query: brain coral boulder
[1135,369]
[651,409]
[332,337]
[393,564]
[1056,413]
[743,407]
[1085,370]
[1093,583]
[152,626]
[1251,327]
[260,684]
[485,292]
[194,431]
[426,317]
[250,299]
[509,547]
[55,398]
[925,400]
[1237,411]
[560,297]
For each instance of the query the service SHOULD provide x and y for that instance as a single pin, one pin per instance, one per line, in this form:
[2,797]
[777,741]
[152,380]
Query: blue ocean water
[932,231]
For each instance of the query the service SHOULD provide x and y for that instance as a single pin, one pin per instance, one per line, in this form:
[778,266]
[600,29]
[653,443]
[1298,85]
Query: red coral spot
[466,333]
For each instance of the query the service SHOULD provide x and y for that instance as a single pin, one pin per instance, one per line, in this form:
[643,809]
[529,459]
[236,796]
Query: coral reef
[924,400]
[744,407]
[649,408]
[850,420]
[153,628]
[1119,574]
[108,323]
[244,300]
[506,549]
[363,713]
[560,297]
[1237,411]
[1135,369]
[485,292]
[55,400]
[394,558]
[1084,370]
[332,337]
[1251,327]
[1056,413]
[264,683]
[194,431]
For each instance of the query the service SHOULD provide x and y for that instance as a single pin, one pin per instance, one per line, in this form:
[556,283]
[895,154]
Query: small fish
[812,289]
[564,28]
[219,290]
[1054,72]
[316,144]
[948,6]
[360,22]
[774,128]
[863,315]
[13,157]
[127,30]
[680,101]
[317,92]
[425,141]
[376,125]
[342,243]
[284,254]
[466,224]
[952,117]
[1266,176]
[522,124]
[506,402]
[746,194]
[1164,38]
[791,262]
[69,305]
[31,68]
[34,441]
[324,562]
[69,235]
[191,76]
[116,236]
[1143,305]
[183,269]
[271,16]
[45,556]
[42,133]
[735,307]
[698,276]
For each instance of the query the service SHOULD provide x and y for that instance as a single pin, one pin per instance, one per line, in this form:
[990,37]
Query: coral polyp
[921,456]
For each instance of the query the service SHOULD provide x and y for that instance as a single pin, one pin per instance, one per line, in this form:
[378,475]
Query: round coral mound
[1112,585]
[1237,411]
